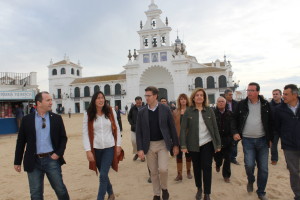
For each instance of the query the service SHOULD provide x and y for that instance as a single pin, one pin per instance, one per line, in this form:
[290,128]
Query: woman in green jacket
[200,137]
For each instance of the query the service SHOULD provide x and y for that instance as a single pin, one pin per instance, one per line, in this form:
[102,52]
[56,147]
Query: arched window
[63,71]
[198,82]
[96,88]
[77,92]
[117,89]
[78,73]
[54,72]
[72,71]
[106,90]
[210,81]
[86,91]
[222,81]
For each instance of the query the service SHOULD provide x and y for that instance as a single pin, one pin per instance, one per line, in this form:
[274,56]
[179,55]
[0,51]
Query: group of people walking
[193,129]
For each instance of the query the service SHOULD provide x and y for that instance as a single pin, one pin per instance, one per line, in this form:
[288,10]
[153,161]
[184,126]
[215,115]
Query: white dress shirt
[204,135]
[103,136]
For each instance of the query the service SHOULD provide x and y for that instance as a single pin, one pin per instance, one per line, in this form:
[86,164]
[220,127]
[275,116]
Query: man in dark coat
[253,124]
[231,105]
[43,133]
[224,120]
[156,135]
[287,123]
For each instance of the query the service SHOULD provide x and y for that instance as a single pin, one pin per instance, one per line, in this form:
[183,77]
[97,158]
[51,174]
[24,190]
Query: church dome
[178,41]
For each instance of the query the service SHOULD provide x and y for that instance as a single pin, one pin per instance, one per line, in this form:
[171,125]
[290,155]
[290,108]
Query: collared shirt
[229,105]
[153,109]
[294,109]
[43,138]
[103,136]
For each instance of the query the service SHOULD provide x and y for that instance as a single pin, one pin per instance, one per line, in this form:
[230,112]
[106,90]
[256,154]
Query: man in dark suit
[156,135]
[43,133]
[231,104]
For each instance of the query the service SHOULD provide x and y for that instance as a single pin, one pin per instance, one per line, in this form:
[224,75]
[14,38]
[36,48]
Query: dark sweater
[155,132]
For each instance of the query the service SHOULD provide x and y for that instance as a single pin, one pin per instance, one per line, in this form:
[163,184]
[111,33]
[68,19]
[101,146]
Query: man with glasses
[287,123]
[43,133]
[155,136]
[252,124]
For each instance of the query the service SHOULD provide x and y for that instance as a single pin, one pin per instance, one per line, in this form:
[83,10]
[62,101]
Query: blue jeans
[256,150]
[104,159]
[274,149]
[52,169]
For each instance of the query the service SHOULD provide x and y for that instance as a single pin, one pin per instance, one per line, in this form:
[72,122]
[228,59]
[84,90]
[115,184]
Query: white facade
[157,62]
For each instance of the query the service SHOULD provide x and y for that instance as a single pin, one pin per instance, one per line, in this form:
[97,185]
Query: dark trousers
[274,149]
[293,164]
[120,124]
[202,162]
[180,154]
[224,155]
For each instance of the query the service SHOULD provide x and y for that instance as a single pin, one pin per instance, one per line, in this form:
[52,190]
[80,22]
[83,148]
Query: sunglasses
[44,123]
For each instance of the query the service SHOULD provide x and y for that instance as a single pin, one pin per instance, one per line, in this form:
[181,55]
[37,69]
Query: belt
[43,155]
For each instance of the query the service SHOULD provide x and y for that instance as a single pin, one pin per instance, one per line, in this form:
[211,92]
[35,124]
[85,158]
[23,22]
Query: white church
[158,62]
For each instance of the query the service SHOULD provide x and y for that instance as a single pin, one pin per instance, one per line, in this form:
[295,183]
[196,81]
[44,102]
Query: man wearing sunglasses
[43,133]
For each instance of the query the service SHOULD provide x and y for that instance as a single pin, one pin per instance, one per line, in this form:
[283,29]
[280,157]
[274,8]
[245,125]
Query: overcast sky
[261,38]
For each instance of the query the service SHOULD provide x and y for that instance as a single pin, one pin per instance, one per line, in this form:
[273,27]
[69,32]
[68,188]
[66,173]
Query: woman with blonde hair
[200,137]
[182,104]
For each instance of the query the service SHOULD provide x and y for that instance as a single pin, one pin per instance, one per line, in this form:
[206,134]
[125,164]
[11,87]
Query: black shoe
[199,194]
[149,180]
[135,157]
[249,187]
[206,197]
[156,197]
[235,162]
[165,194]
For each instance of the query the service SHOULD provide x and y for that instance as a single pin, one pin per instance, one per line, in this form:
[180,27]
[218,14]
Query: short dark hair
[39,97]
[293,87]
[163,98]
[255,84]
[153,89]
[138,98]
[227,91]
[278,91]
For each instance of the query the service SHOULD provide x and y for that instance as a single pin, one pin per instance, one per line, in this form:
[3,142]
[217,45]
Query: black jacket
[167,128]
[241,113]
[27,137]
[132,117]
[234,105]
[224,121]
[287,124]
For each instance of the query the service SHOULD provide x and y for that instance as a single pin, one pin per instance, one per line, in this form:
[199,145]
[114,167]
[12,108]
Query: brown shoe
[111,197]
[274,162]
[217,169]
[178,178]
[189,175]
[227,180]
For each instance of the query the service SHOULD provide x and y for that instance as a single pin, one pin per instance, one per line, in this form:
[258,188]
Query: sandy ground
[131,180]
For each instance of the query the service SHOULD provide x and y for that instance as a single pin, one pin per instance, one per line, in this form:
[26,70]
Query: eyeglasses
[251,90]
[44,123]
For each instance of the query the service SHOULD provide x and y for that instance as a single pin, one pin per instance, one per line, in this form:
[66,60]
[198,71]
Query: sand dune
[131,180]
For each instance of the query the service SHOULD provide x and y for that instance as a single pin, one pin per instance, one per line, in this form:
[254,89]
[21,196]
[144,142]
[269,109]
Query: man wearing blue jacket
[287,118]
